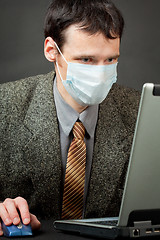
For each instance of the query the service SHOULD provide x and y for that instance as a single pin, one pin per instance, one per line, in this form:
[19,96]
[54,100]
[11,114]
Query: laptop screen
[141,192]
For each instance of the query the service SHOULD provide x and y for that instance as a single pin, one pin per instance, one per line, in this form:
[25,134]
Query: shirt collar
[67,116]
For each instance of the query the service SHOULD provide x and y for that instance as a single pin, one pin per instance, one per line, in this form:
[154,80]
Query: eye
[86,60]
[110,60]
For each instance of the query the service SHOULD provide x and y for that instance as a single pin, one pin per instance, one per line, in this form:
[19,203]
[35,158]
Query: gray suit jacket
[30,157]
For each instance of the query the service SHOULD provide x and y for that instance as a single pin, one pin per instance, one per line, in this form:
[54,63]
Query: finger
[22,205]
[12,210]
[4,215]
[1,232]
[35,223]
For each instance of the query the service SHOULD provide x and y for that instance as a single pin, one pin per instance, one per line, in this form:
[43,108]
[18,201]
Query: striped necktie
[72,205]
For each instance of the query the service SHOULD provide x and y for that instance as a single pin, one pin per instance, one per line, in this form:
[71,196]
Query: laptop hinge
[142,224]
[156,90]
[140,216]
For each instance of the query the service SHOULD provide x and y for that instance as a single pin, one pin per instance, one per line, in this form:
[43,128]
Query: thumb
[35,223]
[1,232]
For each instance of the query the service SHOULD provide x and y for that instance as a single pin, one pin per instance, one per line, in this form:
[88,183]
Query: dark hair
[92,16]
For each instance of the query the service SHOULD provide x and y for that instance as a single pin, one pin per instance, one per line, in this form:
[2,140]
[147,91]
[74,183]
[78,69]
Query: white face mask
[88,84]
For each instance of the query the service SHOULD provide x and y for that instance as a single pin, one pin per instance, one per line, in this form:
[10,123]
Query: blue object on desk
[17,230]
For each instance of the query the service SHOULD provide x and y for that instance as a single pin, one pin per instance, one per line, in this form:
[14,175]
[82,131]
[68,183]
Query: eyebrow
[94,57]
[83,56]
[115,56]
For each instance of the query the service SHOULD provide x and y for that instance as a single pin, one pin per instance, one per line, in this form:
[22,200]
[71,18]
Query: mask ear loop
[57,62]
[59,72]
[60,52]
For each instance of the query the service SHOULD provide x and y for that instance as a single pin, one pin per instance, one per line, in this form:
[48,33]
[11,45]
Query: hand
[9,213]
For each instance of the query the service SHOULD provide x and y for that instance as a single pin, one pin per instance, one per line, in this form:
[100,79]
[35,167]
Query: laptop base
[90,227]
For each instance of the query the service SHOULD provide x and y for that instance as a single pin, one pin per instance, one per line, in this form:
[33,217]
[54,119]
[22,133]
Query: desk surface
[48,232]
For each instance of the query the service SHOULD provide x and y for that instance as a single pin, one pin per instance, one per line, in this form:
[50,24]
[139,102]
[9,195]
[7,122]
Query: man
[38,114]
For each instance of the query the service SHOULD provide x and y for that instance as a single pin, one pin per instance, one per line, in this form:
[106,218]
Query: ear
[50,50]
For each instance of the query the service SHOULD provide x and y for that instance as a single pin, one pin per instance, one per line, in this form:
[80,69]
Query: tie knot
[78,130]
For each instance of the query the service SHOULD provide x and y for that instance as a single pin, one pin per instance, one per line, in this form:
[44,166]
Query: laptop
[139,214]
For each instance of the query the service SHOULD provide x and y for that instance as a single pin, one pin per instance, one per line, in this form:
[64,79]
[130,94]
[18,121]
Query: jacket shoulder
[22,86]
[15,97]
[15,92]
[123,93]
[127,101]
[125,97]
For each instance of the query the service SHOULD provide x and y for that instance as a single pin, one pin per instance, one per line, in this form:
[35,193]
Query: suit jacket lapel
[108,159]
[42,151]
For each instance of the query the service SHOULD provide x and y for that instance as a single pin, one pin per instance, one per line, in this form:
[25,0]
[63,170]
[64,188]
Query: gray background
[21,41]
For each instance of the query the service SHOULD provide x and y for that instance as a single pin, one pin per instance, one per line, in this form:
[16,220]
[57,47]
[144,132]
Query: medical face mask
[88,84]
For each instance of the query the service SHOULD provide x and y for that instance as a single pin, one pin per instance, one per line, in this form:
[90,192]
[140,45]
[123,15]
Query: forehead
[77,40]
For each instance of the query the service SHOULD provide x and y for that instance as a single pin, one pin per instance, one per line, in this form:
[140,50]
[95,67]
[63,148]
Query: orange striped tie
[72,205]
